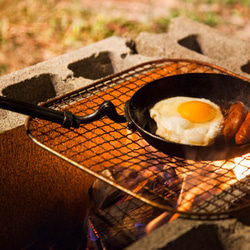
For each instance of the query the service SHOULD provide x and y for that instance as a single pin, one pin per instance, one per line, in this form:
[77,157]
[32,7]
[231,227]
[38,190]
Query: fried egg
[187,120]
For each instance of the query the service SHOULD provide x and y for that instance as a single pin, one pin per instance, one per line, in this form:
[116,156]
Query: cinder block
[226,51]
[192,234]
[193,40]
[60,75]
[63,67]
[63,74]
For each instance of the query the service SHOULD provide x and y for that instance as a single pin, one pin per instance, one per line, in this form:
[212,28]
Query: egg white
[173,127]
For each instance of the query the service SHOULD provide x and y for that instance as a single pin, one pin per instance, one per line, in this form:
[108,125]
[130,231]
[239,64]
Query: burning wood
[208,178]
[117,219]
[204,182]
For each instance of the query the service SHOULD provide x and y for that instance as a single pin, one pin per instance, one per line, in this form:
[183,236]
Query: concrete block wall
[63,74]
[228,234]
[189,39]
[184,39]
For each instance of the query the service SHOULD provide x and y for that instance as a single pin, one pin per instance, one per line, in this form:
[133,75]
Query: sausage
[243,134]
[236,116]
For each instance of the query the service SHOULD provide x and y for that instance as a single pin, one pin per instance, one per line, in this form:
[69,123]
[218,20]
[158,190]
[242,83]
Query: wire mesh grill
[120,157]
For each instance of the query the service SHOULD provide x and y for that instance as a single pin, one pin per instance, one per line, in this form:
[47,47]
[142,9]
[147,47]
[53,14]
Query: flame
[218,176]
[232,171]
[242,166]
[200,181]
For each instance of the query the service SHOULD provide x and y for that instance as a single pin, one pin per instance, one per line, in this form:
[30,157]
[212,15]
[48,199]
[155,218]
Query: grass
[34,31]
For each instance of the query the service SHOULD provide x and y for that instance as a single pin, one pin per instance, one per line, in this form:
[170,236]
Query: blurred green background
[33,31]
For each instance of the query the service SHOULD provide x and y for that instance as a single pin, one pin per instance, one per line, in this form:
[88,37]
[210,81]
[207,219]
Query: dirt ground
[24,40]
[141,10]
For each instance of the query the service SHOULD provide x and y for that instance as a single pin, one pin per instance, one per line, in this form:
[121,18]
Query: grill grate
[111,152]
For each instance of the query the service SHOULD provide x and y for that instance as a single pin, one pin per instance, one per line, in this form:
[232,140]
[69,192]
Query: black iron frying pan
[221,89]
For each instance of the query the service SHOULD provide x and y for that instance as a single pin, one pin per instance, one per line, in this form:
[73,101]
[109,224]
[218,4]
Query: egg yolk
[196,111]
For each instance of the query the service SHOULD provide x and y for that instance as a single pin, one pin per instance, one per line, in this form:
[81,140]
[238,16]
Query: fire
[242,168]
[199,181]
[213,176]
[203,181]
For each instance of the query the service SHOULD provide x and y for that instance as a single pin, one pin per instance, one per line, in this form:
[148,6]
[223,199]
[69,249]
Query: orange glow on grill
[242,168]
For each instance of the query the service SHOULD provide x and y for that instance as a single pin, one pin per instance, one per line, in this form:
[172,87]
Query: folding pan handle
[108,109]
[65,118]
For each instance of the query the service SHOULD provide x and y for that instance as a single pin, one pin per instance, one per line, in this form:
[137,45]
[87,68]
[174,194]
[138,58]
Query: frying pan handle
[108,109]
[65,118]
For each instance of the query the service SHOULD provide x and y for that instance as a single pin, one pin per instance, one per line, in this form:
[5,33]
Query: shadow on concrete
[93,67]
[35,90]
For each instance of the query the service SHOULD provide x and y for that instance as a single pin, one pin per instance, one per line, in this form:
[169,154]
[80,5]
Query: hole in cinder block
[191,42]
[132,46]
[246,67]
[203,237]
[94,67]
[35,90]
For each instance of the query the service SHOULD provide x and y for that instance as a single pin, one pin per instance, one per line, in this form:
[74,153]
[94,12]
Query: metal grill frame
[89,96]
